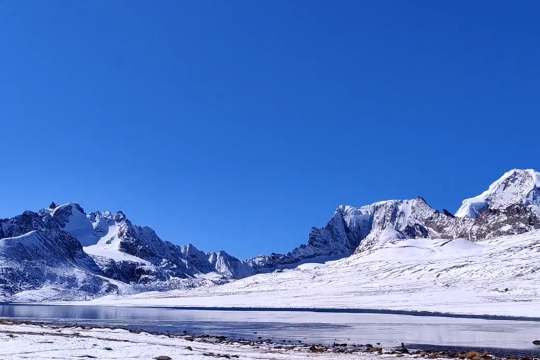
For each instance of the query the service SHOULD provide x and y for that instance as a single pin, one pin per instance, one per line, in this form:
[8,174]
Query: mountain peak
[73,219]
[515,187]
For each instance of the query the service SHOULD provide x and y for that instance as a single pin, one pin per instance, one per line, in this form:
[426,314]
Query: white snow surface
[100,237]
[514,187]
[77,225]
[42,342]
[499,276]
[108,245]
[105,245]
[110,252]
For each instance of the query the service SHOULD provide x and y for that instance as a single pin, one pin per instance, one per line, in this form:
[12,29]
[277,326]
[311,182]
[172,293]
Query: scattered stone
[298,345]
[317,348]
[473,355]
[226,356]
[403,349]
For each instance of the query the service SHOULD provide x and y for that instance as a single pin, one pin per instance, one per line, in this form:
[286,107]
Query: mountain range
[62,252]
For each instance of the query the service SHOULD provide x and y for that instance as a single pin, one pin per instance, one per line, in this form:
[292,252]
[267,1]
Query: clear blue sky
[238,125]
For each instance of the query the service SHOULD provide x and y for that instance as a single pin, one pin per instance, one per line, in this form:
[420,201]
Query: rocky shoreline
[298,347]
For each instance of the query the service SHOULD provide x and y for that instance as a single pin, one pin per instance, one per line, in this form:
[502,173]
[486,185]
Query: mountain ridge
[103,252]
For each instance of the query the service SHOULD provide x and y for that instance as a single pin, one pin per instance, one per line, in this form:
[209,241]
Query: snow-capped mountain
[510,206]
[136,254]
[35,252]
[67,253]
[71,253]
[514,188]
[352,228]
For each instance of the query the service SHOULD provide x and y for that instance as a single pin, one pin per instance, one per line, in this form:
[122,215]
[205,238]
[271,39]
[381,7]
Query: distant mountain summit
[514,188]
[136,254]
[63,252]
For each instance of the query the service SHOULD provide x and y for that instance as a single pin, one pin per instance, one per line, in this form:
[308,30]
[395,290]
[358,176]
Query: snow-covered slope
[72,219]
[498,276]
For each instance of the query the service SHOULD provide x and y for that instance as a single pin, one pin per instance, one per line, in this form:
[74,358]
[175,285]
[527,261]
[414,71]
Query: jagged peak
[70,206]
[516,186]
[73,219]
[190,249]
[120,216]
[110,215]
[223,254]
[418,201]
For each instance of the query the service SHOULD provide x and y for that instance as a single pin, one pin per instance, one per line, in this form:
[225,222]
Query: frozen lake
[310,327]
